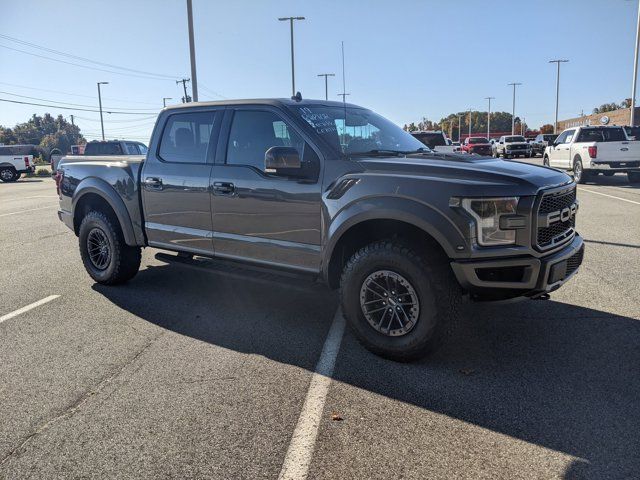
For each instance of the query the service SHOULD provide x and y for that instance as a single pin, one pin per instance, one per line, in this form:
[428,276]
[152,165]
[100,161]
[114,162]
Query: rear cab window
[104,148]
[602,135]
[186,137]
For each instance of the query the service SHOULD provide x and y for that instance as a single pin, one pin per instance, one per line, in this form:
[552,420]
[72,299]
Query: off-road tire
[437,290]
[633,177]
[8,174]
[124,260]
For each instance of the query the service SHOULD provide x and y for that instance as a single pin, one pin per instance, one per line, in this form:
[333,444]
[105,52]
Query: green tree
[546,128]
[44,131]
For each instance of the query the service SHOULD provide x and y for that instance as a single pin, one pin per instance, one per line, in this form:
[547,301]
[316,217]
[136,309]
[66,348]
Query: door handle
[153,183]
[224,188]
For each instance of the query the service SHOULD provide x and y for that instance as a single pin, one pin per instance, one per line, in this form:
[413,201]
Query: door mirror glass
[283,161]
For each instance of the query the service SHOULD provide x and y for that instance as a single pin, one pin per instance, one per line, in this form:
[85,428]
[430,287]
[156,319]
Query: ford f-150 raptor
[335,191]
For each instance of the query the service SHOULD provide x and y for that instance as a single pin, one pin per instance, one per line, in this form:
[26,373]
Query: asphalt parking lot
[189,372]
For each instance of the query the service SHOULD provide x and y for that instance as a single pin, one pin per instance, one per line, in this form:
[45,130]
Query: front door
[258,216]
[175,182]
[560,154]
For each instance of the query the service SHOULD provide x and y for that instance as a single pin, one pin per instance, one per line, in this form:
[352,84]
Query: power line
[82,66]
[84,59]
[71,108]
[73,104]
[135,120]
[76,94]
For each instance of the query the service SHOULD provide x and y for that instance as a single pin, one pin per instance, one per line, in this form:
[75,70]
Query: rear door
[258,216]
[175,181]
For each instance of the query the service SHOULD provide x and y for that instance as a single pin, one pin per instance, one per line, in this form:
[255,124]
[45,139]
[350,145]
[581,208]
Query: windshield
[363,132]
[517,138]
[549,138]
[431,139]
[478,140]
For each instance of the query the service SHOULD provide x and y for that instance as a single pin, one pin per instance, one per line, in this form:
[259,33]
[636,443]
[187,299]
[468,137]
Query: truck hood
[475,175]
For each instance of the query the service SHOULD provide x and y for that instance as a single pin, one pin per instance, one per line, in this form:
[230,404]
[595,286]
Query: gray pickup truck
[337,192]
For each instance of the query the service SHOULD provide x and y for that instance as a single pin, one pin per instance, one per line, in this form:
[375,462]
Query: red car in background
[479,145]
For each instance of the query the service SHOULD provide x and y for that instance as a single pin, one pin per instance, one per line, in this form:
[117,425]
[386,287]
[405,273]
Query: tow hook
[542,296]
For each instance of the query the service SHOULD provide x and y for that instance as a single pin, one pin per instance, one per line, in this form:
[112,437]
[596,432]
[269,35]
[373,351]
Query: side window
[131,149]
[143,149]
[186,137]
[569,137]
[563,137]
[254,132]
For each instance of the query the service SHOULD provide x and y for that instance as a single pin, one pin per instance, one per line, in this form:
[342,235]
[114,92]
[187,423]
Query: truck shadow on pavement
[552,374]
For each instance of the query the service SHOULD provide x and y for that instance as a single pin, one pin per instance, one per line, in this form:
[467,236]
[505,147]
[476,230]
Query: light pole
[164,101]
[558,62]
[513,111]
[459,125]
[489,118]
[293,75]
[192,53]
[100,103]
[326,83]
[469,122]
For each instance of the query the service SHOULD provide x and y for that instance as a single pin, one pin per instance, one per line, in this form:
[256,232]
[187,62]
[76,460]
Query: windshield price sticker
[321,122]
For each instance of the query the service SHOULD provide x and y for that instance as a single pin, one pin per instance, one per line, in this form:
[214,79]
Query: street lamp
[100,103]
[326,83]
[513,111]
[164,101]
[459,125]
[558,62]
[489,118]
[192,53]
[635,72]
[469,122]
[293,76]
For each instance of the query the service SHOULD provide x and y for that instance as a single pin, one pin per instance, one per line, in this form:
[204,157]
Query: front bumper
[524,151]
[519,277]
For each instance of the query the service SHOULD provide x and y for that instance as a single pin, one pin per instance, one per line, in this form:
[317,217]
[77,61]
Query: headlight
[486,213]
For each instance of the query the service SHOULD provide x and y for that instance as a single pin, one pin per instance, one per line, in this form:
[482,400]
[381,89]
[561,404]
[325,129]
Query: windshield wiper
[378,152]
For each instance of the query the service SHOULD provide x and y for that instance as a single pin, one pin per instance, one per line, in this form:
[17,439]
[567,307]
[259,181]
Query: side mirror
[283,161]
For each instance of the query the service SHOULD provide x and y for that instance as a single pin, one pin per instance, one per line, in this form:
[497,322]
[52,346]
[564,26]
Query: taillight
[26,162]
[58,178]
[593,151]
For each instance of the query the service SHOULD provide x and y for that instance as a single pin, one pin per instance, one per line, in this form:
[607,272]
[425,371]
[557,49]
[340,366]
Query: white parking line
[582,189]
[298,459]
[31,306]
[28,210]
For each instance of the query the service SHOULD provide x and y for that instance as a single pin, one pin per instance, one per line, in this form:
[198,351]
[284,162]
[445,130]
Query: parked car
[402,231]
[456,146]
[435,140]
[589,151]
[14,161]
[512,146]
[541,142]
[478,145]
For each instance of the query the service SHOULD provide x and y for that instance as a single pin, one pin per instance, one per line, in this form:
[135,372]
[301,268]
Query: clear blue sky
[405,59]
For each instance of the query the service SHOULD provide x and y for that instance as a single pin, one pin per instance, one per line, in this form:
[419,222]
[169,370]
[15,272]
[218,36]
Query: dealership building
[615,117]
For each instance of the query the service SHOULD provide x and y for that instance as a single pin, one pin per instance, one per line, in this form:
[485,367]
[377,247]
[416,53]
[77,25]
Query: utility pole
[469,122]
[73,124]
[326,83]
[186,98]
[100,103]
[192,52]
[635,73]
[293,74]
[513,111]
[558,62]
[164,101]
[522,130]
[489,117]
[459,125]
[343,95]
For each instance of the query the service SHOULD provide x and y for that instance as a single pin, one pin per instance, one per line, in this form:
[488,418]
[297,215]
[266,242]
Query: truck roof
[276,102]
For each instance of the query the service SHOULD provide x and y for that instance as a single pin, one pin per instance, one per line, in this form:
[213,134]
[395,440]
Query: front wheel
[9,174]
[106,256]
[633,177]
[545,161]
[399,304]
[579,175]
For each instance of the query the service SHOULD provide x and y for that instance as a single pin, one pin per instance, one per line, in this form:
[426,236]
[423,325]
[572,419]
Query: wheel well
[370,231]
[89,202]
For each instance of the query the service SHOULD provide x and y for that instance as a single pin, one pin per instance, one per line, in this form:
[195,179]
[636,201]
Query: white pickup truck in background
[435,140]
[590,151]
[14,161]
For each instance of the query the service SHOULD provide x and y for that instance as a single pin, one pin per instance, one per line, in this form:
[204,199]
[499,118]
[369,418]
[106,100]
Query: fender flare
[107,193]
[425,217]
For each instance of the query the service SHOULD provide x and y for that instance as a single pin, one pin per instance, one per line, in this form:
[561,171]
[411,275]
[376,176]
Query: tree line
[45,132]
[500,122]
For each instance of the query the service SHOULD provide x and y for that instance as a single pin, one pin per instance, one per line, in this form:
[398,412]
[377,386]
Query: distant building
[615,117]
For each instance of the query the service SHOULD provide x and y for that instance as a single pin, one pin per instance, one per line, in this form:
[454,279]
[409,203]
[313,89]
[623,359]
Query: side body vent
[340,188]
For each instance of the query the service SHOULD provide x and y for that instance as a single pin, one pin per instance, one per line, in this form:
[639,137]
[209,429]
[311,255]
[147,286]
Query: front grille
[517,147]
[559,232]
[574,261]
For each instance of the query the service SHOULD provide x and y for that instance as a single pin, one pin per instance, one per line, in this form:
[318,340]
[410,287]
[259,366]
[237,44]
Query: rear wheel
[106,256]
[400,305]
[633,177]
[9,174]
